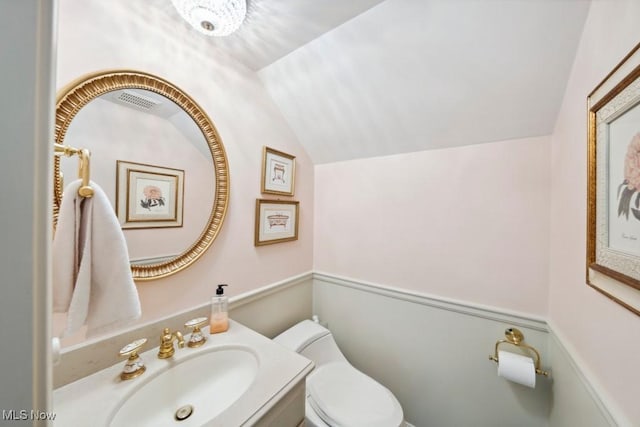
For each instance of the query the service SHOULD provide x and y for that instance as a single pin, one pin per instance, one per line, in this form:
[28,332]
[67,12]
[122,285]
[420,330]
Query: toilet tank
[313,341]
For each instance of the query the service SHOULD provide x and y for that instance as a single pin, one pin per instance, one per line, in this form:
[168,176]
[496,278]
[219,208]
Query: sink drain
[183,412]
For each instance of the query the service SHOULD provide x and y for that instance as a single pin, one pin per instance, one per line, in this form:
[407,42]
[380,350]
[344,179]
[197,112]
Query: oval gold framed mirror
[135,122]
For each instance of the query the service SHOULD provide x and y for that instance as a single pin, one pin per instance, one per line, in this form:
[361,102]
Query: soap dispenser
[219,320]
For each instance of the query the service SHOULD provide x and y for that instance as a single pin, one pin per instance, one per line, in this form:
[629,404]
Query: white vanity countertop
[93,400]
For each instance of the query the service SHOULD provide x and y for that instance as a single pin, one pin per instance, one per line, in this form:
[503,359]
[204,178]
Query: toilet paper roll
[517,368]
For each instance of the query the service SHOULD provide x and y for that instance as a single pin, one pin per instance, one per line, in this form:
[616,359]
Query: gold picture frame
[149,196]
[276,221]
[278,172]
[613,204]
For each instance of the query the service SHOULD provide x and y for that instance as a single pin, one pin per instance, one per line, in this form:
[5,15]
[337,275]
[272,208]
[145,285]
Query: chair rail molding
[463,307]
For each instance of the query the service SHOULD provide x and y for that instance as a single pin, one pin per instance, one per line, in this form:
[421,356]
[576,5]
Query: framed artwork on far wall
[148,196]
[278,172]
[613,205]
[276,221]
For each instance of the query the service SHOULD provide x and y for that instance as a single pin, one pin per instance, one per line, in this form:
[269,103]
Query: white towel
[91,271]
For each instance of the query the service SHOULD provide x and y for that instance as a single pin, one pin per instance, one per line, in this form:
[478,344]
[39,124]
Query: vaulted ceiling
[364,78]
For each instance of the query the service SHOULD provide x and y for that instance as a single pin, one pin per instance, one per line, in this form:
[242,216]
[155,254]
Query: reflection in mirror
[139,126]
[163,141]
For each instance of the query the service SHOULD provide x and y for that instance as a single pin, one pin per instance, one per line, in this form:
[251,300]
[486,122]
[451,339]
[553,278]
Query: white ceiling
[274,28]
[363,78]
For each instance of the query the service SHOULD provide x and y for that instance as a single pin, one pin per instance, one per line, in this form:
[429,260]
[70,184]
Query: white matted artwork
[624,181]
[276,221]
[148,196]
[278,172]
[613,238]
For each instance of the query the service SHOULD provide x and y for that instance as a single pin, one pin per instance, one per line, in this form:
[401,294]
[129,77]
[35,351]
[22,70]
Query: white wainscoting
[268,310]
[576,400]
[273,309]
[433,354]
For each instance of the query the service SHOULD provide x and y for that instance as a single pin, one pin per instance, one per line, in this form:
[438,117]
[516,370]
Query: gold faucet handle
[134,366]
[180,338]
[197,337]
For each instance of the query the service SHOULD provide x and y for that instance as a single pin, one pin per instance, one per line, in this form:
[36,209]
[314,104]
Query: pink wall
[127,34]
[604,334]
[469,223]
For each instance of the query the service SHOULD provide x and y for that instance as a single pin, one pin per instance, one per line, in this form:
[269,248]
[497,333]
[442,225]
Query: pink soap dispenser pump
[219,321]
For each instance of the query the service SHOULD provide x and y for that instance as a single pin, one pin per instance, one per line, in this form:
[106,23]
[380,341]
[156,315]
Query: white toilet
[338,395]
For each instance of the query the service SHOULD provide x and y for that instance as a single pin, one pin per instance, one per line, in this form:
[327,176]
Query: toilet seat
[343,396]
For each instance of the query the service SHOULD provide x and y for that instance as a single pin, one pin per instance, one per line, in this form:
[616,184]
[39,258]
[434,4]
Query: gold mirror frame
[80,92]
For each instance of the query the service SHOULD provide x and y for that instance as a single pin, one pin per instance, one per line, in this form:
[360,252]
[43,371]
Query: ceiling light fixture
[212,17]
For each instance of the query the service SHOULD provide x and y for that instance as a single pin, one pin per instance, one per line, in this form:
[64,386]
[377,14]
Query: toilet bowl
[337,393]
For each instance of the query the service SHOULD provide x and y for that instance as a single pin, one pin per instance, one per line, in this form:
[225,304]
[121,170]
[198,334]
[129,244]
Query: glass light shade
[212,17]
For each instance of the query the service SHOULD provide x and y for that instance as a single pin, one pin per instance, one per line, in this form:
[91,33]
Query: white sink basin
[236,378]
[191,391]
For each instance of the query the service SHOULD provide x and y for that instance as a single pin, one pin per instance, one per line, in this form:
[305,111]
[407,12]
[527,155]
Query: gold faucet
[166,343]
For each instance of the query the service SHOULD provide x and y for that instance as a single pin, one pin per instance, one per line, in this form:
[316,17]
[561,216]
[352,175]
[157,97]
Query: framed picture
[148,196]
[276,221]
[613,210]
[278,172]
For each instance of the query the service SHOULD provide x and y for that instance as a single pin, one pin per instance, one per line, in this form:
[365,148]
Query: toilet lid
[345,397]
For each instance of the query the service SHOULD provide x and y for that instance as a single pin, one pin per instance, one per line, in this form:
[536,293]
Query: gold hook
[84,167]
[84,172]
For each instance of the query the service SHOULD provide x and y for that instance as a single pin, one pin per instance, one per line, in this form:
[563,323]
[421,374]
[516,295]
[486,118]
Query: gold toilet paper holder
[515,337]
